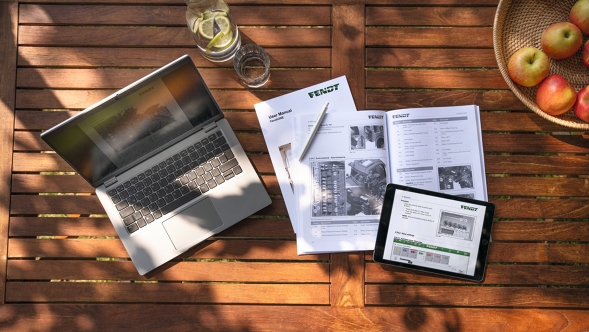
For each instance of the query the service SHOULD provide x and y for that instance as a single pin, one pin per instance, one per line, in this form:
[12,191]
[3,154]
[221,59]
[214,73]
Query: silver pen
[313,131]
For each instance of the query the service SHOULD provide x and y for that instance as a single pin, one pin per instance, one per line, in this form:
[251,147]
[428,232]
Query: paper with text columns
[275,116]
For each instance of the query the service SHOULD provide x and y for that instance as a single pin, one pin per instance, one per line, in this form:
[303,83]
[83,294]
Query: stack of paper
[334,195]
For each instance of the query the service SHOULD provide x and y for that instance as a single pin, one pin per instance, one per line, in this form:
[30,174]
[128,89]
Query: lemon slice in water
[206,28]
[221,40]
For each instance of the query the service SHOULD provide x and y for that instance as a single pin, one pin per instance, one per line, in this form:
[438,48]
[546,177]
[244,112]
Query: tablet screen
[434,232]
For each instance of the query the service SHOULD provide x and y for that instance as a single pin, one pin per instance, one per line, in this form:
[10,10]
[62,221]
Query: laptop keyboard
[174,182]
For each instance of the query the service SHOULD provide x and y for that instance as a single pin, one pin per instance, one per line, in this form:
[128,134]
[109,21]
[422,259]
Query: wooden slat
[435,79]
[514,143]
[478,296]
[488,100]
[538,253]
[540,231]
[183,271]
[40,226]
[535,143]
[168,15]
[119,78]
[33,183]
[166,293]
[8,37]
[97,15]
[347,280]
[38,120]
[430,58]
[540,208]
[347,269]
[163,36]
[80,99]
[537,186]
[210,249]
[157,57]
[494,275]
[347,56]
[263,228]
[464,37]
[33,204]
[526,121]
[285,318]
[430,16]
[517,164]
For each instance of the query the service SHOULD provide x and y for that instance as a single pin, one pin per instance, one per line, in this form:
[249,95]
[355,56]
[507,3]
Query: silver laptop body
[167,167]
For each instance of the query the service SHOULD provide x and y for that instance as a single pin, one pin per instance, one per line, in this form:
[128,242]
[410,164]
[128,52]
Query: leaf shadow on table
[128,300]
[103,304]
[401,290]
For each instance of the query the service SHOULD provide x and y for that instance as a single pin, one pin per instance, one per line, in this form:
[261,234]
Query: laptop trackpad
[193,224]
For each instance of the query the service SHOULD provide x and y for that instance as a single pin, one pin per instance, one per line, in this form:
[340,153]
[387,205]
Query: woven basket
[520,23]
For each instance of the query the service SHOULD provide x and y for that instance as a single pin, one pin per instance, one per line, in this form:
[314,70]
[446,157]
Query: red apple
[555,96]
[579,15]
[561,40]
[528,66]
[582,105]
[586,54]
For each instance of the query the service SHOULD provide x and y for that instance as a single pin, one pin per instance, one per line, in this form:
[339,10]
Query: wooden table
[62,267]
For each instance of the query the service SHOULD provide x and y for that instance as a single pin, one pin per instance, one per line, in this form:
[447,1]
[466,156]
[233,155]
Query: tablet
[433,232]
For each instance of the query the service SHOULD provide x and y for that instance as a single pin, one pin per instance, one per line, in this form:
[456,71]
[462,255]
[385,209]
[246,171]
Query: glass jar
[213,30]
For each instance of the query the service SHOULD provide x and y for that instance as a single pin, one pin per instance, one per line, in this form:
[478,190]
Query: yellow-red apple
[528,66]
[582,105]
[555,95]
[561,40]
[579,15]
[586,54]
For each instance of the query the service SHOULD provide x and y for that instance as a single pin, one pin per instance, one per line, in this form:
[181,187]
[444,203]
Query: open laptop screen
[139,121]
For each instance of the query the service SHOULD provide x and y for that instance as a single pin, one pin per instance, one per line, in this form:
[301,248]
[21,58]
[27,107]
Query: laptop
[167,167]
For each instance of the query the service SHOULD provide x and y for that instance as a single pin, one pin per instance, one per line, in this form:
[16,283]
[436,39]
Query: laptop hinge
[110,182]
[210,127]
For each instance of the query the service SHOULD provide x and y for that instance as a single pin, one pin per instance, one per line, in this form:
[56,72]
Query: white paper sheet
[275,116]
[341,181]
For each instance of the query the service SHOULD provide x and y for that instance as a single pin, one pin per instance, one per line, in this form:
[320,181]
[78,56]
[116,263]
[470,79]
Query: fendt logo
[320,92]
[469,208]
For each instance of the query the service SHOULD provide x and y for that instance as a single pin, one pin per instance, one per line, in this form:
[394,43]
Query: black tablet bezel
[383,229]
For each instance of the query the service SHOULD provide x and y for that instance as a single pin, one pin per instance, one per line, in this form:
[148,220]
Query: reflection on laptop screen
[108,138]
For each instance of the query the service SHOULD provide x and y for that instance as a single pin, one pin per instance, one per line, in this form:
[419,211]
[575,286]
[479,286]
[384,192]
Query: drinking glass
[252,64]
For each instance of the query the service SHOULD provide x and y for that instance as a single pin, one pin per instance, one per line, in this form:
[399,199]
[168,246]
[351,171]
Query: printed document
[341,182]
[275,116]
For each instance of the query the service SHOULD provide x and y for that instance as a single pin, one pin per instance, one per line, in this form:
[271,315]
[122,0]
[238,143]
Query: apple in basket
[555,95]
[579,15]
[586,54]
[582,104]
[561,40]
[528,66]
